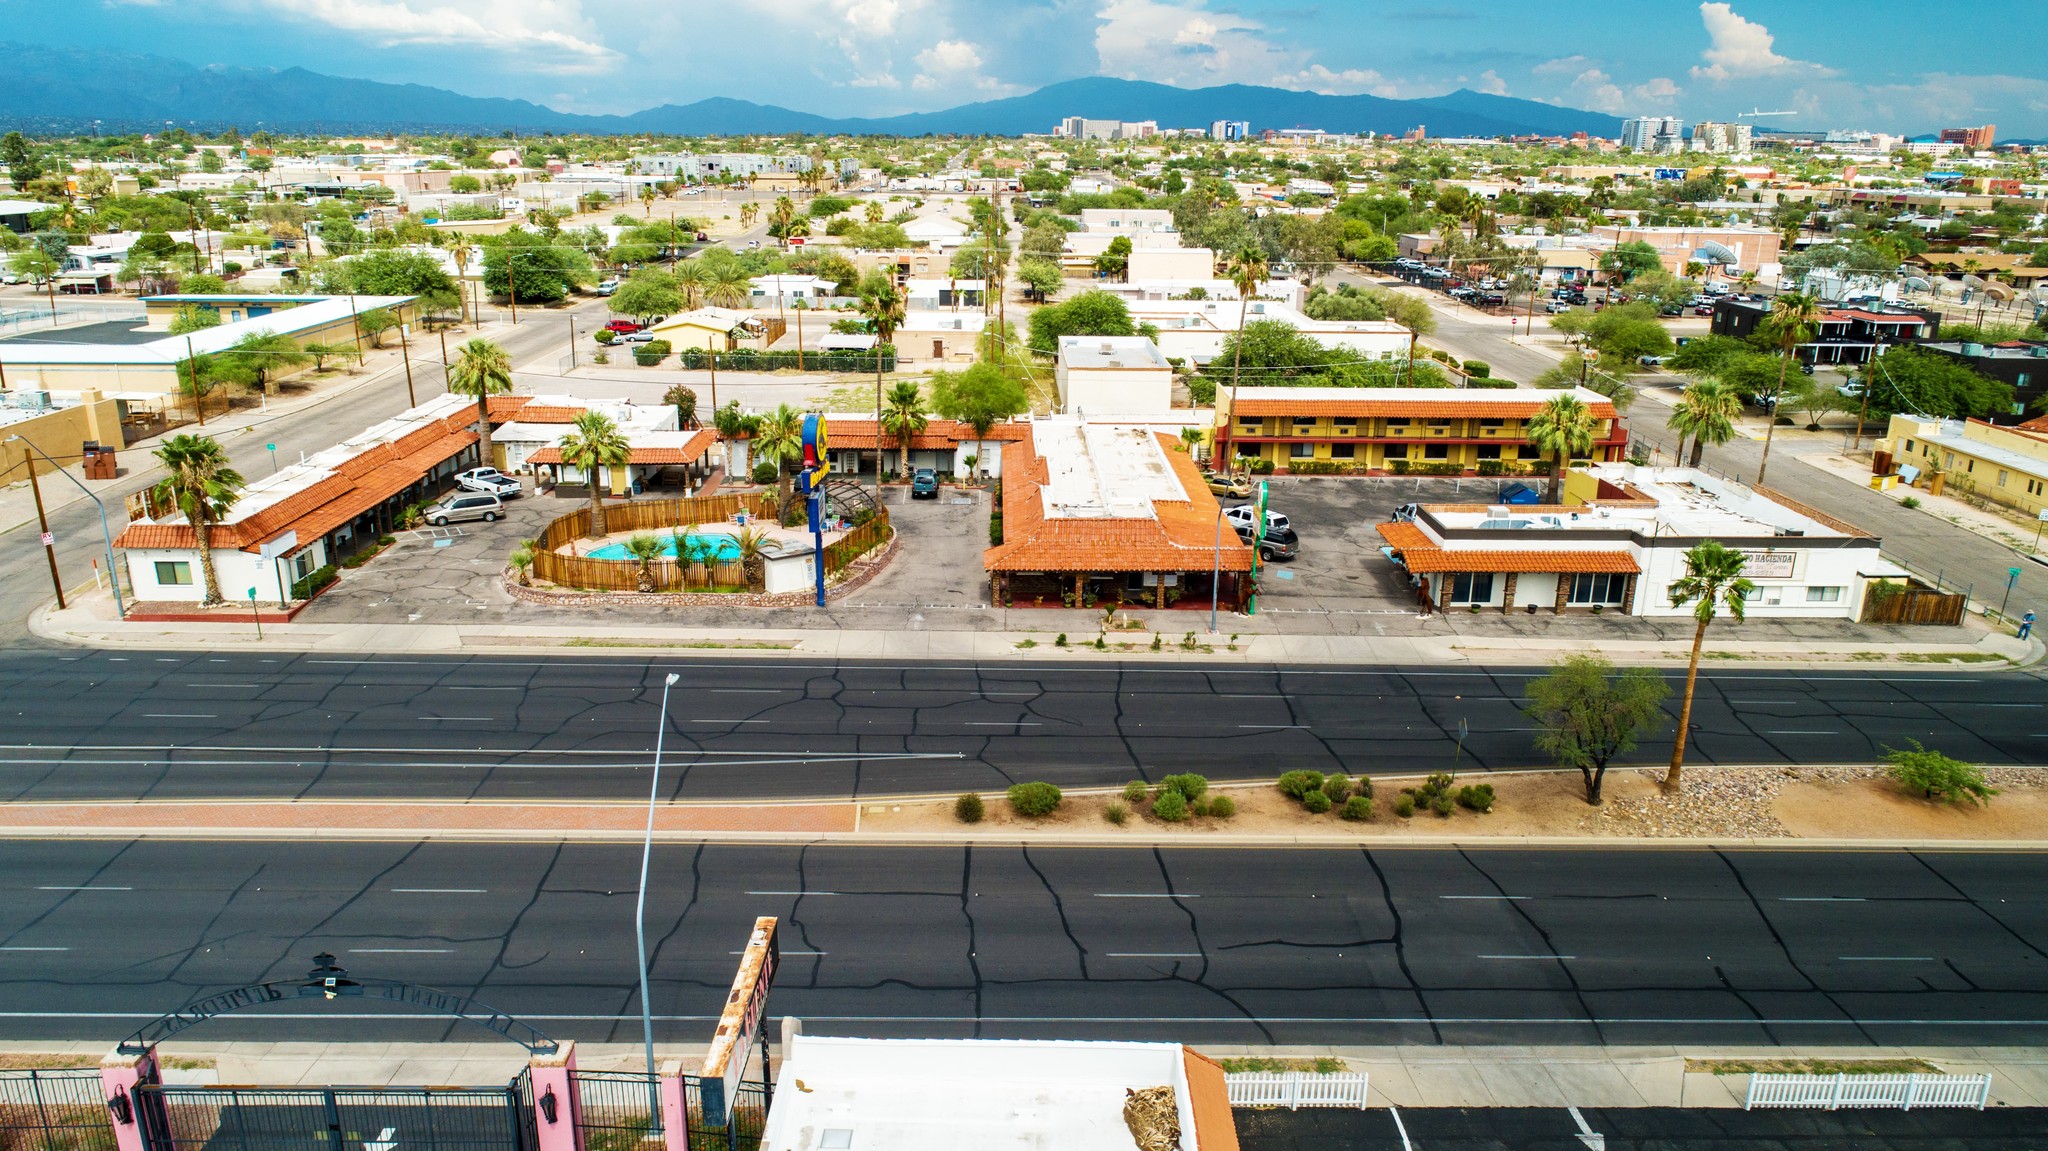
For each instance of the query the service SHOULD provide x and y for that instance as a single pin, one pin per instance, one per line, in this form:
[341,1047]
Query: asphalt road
[1638,1129]
[141,725]
[1349,946]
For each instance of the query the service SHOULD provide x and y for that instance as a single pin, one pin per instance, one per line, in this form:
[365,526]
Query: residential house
[947,447]
[939,337]
[2021,363]
[1112,374]
[1843,336]
[932,295]
[2006,464]
[1398,431]
[709,329]
[1171,264]
[1194,330]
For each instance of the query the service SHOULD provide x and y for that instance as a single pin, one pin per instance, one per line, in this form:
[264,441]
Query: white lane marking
[117,659]
[457,719]
[1821,899]
[1886,958]
[34,949]
[486,689]
[728,721]
[400,950]
[1482,897]
[439,890]
[1400,1127]
[792,893]
[197,683]
[56,887]
[1275,726]
[1142,895]
[1745,1021]
[359,662]
[1528,957]
[179,715]
[1829,732]
[1005,723]
[1155,955]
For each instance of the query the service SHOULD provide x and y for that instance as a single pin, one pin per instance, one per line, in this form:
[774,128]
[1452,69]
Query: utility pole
[572,343]
[444,359]
[405,350]
[198,397]
[49,541]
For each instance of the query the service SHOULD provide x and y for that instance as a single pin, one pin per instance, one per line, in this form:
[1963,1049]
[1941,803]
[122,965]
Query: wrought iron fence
[322,1119]
[616,1110]
[54,1110]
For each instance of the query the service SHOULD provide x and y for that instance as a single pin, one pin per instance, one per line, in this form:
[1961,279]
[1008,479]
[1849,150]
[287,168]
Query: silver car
[465,506]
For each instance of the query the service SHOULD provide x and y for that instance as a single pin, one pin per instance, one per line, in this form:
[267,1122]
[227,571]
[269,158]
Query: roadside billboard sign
[746,1012]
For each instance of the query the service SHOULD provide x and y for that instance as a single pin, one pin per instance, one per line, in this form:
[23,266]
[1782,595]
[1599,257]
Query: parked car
[924,484]
[489,480]
[1490,300]
[465,506]
[1703,309]
[1236,487]
[1281,545]
[641,337]
[1243,515]
[1557,307]
[607,287]
[622,327]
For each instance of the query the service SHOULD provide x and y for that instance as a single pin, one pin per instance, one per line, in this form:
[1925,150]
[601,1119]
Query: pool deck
[780,539]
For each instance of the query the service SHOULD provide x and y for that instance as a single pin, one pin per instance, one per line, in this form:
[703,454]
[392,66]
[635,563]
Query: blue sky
[1882,64]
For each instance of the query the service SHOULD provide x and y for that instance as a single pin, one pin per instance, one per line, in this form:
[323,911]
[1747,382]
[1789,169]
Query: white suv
[1241,517]
[490,481]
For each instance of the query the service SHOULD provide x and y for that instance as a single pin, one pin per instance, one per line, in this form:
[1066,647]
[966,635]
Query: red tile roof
[938,435]
[1413,409]
[1422,555]
[1179,536]
[689,453]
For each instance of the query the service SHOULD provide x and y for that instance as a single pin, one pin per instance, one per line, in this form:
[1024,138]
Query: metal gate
[336,1118]
[613,1109]
[58,1110]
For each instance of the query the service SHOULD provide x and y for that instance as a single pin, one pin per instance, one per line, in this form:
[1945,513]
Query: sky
[1884,65]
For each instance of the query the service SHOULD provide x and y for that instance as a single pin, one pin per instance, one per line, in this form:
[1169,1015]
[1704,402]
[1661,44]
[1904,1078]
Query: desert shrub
[1222,807]
[968,808]
[1316,802]
[1936,776]
[1298,784]
[1362,786]
[1171,807]
[1200,807]
[1190,786]
[1357,809]
[652,352]
[1033,800]
[1442,804]
[1477,797]
[1478,368]
[1135,791]
[605,336]
[1118,812]
[1337,787]
[1061,641]
[763,473]
[1404,805]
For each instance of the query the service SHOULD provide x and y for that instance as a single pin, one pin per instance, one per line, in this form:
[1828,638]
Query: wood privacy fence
[662,518]
[1918,603]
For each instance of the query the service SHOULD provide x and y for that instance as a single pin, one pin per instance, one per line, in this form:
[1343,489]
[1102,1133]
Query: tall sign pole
[816,467]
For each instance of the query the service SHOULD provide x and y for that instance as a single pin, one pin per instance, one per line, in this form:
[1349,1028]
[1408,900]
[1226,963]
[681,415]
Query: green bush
[1316,467]
[1443,805]
[1478,797]
[1936,776]
[652,352]
[1362,786]
[1171,807]
[1337,787]
[1136,791]
[1061,641]
[1316,802]
[1479,368]
[751,360]
[1260,467]
[605,336]
[1357,809]
[1404,805]
[995,529]
[968,808]
[1118,812]
[1491,467]
[763,473]
[1222,807]
[1297,784]
[1033,800]
[314,581]
[1189,786]
[1200,807]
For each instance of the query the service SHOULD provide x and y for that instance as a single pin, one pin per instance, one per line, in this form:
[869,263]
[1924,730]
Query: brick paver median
[606,820]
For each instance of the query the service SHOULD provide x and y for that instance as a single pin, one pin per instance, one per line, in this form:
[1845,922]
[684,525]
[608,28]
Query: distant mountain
[69,89]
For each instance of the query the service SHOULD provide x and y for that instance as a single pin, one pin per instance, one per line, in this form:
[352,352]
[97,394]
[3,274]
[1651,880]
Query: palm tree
[729,286]
[1713,576]
[873,212]
[781,214]
[781,442]
[647,195]
[1563,428]
[646,549]
[1707,414]
[751,541]
[800,226]
[1794,319]
[522,563]
[691,278]
[748,211]
[203,487]
[730,422]
[596,443]
[481,369]
[884,309]
[1746,281]
[904,419]
[1248,269]
[461,251]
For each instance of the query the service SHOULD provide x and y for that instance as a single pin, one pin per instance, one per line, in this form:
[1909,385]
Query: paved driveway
[1340,570]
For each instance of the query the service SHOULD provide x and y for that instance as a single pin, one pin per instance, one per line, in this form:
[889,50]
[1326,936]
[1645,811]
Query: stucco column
[1507,595]
[675,1113]
[1564,592]
[1628,596]
[120,1075]
[554,1090]
[1159,593]
[1445,583]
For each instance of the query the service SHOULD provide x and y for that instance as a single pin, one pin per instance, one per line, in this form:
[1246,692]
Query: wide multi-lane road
[1352,946]
[143,725]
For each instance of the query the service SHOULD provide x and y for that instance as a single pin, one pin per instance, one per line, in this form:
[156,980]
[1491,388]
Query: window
[1493,423]
[1300,420]
[1345,421]
[1251,424]
[1472,587]
[1603,588]
[302,564]
[1248,451]
[1301,451]
[1436,451]
[1909,447]
[1489,451]
[1343,451]
[2001,477]
[170,572]
[1396,451]
[1439,423]
[1823,595]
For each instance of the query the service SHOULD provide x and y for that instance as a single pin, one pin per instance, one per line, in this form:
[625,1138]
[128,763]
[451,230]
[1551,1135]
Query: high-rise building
[1230,130]
[1973,138]
[1082,128]
[1708,136]
[1653,134]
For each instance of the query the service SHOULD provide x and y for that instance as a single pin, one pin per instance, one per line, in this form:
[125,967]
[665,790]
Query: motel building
[1618,541]
[1399,431]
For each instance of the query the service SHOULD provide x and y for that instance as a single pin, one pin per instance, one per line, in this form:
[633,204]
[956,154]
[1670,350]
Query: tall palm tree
[461,251]
[800,226]
[203,487]
[728,286]
[873,212]
[691,278]
[904,420]
[781,442]
[1706,413]
[596,443]
[481,369]
[883,308]
[730,422]
[1563,428]
[1713,576]
[781,214]
[1794,319]
[1248,269]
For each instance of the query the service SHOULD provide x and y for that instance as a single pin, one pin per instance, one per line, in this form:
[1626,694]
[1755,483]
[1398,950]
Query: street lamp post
[113,574]
[640,911]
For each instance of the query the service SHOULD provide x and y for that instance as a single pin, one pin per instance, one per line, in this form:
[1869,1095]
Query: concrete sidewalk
[90,622]
[1415,1076]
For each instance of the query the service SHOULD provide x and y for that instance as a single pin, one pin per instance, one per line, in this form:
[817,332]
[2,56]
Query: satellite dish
[1998,292]
[1970,281]
[1916,284]
[1716,253]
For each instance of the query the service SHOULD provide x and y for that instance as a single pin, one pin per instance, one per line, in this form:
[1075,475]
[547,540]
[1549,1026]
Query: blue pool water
[724,547]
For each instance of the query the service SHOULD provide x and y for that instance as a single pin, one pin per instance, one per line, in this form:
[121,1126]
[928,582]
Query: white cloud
[1737,48]
[1183,42]
[957,65]
[1491,83]
[949,56]
[1597,90]
[1562,66]
[551,32]
[1658,90]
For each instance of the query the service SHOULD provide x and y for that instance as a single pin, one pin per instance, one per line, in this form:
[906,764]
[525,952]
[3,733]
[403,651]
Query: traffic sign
[49,539]
[2012,576]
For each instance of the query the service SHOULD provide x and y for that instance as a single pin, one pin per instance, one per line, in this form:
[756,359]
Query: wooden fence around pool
[663,517]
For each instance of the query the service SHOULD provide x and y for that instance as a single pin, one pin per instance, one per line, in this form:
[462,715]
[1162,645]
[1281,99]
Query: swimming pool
[718,547]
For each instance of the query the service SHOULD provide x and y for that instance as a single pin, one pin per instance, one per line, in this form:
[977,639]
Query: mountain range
[47,89]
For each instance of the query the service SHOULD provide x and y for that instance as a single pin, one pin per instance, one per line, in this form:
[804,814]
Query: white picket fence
[1830,1092]
[1295,1089]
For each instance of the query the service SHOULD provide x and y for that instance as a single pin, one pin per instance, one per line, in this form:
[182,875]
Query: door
[938,349]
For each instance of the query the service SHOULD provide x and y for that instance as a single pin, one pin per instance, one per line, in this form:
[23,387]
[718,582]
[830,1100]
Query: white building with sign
[1618,542]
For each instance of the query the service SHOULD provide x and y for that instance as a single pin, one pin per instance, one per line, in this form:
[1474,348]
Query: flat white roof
[173,349]
[1690,504]
[967,1094]
[1111,352]
[1102,471]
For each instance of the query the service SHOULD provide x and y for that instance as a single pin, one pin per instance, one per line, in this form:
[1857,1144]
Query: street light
[640,912]
[113,574]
